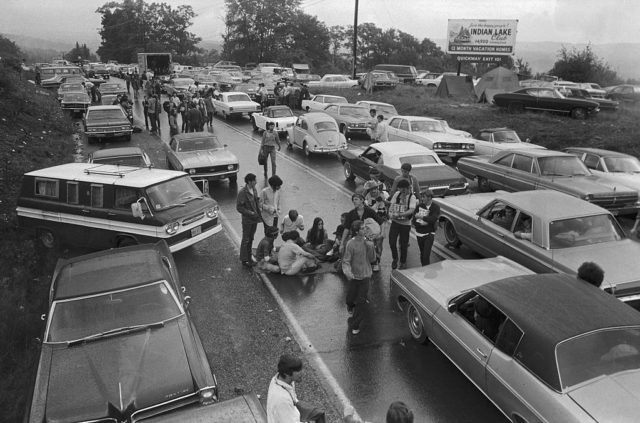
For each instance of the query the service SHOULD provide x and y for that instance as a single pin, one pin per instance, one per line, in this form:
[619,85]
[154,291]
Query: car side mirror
[136,210]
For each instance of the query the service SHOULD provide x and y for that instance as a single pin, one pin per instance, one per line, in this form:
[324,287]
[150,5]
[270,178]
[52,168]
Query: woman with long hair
[318,239]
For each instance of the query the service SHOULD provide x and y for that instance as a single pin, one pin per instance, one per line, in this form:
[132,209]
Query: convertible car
[316,132]
[320,101]
[203,157]
[281,116]
[547,99]
[619,168]
[119,342]
[531,169]
[351,119]
[546,231]
[389,157]
[541,348]
[492,140]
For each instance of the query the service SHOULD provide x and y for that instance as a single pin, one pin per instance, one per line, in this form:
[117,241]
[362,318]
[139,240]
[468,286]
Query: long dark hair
[316,235]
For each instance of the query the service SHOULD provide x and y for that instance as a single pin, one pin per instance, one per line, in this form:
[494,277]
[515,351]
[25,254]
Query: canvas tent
[498,80]
[455,86]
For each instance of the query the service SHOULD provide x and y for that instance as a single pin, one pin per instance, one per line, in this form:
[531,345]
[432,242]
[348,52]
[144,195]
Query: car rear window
[325,126]
[196,144]
[238,97]
[105,115]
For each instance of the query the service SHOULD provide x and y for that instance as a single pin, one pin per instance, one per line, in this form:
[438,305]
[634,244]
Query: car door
[522,175]
[299,131]
[493,231]
[365,162]
[485,144]
[171,155]
[392,129]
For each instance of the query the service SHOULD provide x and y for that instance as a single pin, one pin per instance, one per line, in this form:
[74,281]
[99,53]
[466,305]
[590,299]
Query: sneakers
[375,267]
[402,266]
[355,331]
[394,264]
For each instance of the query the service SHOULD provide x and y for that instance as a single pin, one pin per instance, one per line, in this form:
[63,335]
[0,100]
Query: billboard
[482,36]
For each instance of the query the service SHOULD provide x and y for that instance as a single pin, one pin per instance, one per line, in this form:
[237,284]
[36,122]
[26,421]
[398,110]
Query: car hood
[205,158]
[117,376]
[629,180]
[611,399]
[329,138]
[614,258]
[436,175]
[444,137]
[588,185]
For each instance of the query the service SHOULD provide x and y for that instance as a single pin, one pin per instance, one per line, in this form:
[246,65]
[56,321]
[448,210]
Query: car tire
[126,241]
[515,107]
[483,185]
[307,109]
[451,235]
[414,322]
[579,113]
[47,239]
[348,172]
[305,149]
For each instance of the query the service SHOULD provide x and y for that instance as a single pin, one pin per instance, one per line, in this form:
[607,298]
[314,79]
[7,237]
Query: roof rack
[98,171]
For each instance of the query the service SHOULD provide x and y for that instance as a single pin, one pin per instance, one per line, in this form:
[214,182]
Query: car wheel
[348,172]
[579,113]
[450,235]
[305,149]
[515,107]
[126,241]
[307,108]
[253,122]
[48,239]
[414,321]
[483,185]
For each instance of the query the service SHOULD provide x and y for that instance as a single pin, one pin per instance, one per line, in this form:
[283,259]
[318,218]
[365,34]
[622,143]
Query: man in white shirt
[283,405]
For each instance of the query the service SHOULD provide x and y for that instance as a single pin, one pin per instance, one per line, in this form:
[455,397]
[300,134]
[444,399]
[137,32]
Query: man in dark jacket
[248,205]
[425,221]
[194,117]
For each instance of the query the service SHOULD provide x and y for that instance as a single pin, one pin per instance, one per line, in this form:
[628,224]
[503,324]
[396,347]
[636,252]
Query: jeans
[248,232]
[403,232]
[153,121]
[270,150]
[357,294]
[425,243]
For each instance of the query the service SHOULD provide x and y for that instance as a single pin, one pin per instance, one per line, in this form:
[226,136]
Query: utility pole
[355,39]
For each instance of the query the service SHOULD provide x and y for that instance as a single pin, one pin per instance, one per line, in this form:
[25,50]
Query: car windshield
[197,144]
[277,113]
[578,231]
[110,87]
[75,97]
[506,137]
[238,97]
[182,82]
[622,164]
[71,87]
[356,111]
[605,352]
[105,115]
[325,126]
[136,161]
[385,110]
[426,126]
[173,193]
[562,166]
[78,318]
[329,99]
[419,160]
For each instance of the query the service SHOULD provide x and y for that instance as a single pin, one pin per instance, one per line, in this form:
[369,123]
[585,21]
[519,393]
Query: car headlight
[171,228]
[230,167]
[212,212]
[91,130]
[471,147]
[208,396]
[588,197]
[124,128]
[191,171]
[231,109]
[436,145]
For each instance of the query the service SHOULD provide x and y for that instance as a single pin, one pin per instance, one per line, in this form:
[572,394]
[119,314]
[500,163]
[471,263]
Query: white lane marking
[295,328]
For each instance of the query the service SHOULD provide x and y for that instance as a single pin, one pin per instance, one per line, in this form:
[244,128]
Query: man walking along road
[401,208]
[248,205]
[405,173]
[270,140]
[356,265]
[425,220]
[283,405]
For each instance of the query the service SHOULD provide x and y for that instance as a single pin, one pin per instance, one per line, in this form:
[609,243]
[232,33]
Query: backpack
[166,106]
[371,229]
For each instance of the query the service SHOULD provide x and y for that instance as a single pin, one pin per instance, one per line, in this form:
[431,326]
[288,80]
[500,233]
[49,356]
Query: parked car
[428,79]
[490,141]
[320,101]
[234,104]
[381,79]
[541,348]
[624,93]
[121,156]
[385,109]
[546,231]
[71,87]
[202,156]
[108,100]
[450,130]
[316,132]
[119,342]
[75,102]
[352,119]
[531,169]
[333,81]
[431,134]
[406,73]
[618,168]
[546,99]
[387,157]
[106,122]
[605,103]
[281,116]
[112,88]
[179,86]
[595,90]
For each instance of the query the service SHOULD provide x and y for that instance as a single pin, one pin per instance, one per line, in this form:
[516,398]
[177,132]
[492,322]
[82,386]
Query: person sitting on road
[266,262]
[292,258]
[317,239]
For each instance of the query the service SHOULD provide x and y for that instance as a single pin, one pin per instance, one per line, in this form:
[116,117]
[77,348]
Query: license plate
[452,154]
[196,231]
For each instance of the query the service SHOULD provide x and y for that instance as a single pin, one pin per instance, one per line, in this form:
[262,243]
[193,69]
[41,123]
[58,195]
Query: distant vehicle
[281,116]
[316,132]
[113,88]
[159,64]
[407,74]
[52,77]
[75,102]
[102,122]
[490,141]
[179,86]
[301,72]
[121,156]
[380,79]
[429,79]
[388,158]
[70,87]
[235,104]
[595,90]
[624,93]
[605,103]
[108,311]
[385,109]
[351,118]
[320,101]
[98,70]
[546,99]
[618,168]
[333,81]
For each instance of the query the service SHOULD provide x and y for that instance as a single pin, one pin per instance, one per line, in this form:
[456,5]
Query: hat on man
[369,185]
[406,166]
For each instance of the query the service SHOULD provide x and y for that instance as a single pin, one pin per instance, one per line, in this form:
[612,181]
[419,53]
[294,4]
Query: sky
[566,21]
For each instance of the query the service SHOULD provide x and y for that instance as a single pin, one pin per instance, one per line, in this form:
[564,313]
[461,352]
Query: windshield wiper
[116,331]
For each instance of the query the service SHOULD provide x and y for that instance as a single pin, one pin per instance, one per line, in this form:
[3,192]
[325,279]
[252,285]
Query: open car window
[482,315]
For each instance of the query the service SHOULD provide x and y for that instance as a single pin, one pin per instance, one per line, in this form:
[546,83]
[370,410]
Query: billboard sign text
[482,36]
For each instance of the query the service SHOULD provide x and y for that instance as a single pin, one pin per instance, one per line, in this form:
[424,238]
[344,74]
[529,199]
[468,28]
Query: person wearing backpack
[401,208]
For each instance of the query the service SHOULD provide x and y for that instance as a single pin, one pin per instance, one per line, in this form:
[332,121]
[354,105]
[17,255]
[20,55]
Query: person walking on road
[401,208]
[359,253]
[359,212]
[248,205]
[270,140]
[425,220]
[194,117]
[208,102]
[405,173]
[145,111]
[270,200]
[153,102]
[283,405]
